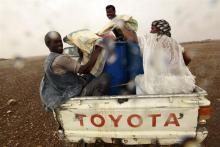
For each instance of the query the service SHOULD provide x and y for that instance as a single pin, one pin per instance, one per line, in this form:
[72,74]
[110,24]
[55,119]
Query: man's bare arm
[85,69]
[186,58]
[129,35]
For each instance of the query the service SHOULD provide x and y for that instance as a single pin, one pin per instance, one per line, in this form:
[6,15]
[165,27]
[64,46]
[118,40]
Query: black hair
[110,7]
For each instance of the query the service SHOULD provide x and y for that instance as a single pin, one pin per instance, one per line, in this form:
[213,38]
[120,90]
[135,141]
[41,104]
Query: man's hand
[85,69]
[130,35]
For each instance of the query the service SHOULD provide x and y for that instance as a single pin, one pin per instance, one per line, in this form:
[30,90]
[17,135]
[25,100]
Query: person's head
[161,27]
[110,11]
[54,42]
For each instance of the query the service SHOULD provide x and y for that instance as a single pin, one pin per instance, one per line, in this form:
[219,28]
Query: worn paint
[171,120]
[139,120]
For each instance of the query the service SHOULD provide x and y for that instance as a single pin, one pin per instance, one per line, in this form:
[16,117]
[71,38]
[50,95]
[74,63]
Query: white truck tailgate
[138,120]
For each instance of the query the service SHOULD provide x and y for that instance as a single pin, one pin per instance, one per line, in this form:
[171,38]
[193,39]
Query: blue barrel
[117,70]
[135,60]
[128,64]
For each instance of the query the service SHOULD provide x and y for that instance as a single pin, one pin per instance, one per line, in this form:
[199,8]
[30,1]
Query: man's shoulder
[66,62]
[51,57]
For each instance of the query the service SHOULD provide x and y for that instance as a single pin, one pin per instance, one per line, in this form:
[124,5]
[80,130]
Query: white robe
[164,69]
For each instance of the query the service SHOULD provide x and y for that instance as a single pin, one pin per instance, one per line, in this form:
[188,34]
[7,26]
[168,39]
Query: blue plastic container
[117,70]
[135,60]
[126,67]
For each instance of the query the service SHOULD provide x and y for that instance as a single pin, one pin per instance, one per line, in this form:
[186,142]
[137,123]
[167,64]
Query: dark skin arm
[85,69]
[186,58]
[129,35]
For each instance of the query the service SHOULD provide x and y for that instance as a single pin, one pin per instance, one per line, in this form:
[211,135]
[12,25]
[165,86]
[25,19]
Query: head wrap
[163,27]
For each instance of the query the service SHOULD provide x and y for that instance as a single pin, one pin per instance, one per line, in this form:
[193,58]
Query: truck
[152,119]
[168,119]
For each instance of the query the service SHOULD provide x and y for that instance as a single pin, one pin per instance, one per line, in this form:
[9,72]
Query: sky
[23,23]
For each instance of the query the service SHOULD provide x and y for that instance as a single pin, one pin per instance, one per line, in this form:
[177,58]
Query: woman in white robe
[165,71]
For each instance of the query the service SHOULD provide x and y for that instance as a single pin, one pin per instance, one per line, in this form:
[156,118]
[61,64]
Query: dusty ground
[206,66]
[24,123]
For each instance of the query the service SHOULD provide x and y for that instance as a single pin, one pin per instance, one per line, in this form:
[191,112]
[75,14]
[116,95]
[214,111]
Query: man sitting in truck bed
[61,80]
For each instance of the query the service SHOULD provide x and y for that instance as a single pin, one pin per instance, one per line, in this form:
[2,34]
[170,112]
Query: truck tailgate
[138,120]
